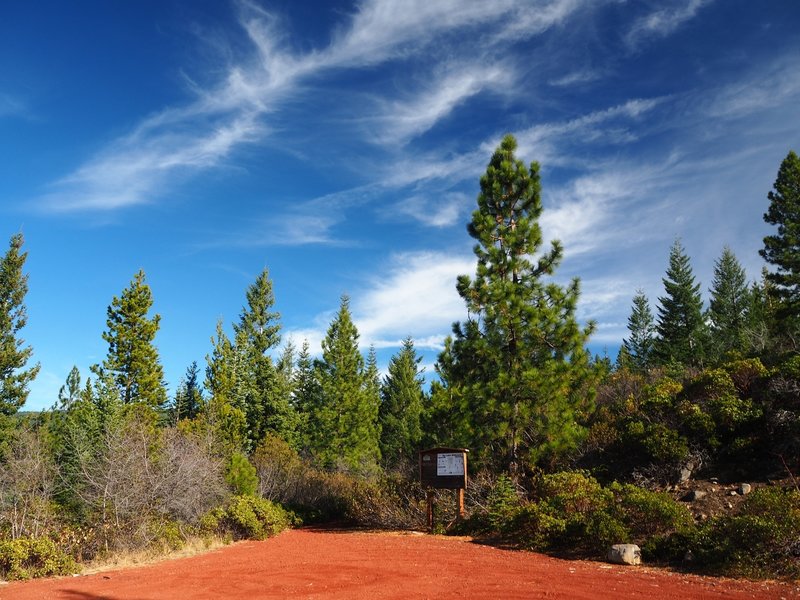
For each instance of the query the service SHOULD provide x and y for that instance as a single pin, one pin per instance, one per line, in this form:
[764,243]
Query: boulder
[685,475]
[625,554]
[694,495]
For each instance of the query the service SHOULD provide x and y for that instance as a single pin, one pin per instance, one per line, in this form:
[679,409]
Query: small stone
[745,488]
[714,480]
[625,554]
[696,495]
[713,489]
[730,505]
[733,493]
[685,475]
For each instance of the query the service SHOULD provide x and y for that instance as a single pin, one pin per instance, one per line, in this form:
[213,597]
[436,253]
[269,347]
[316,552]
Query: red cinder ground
[350,565]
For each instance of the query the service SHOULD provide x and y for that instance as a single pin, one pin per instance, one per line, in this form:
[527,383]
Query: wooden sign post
[443,468]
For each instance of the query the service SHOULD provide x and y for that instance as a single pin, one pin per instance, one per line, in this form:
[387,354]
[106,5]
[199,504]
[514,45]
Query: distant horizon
[340,146]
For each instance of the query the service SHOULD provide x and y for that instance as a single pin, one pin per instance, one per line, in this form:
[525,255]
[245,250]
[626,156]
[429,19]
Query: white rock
[745,488]
[625,554]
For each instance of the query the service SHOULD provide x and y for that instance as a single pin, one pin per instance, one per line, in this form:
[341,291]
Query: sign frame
[443,468]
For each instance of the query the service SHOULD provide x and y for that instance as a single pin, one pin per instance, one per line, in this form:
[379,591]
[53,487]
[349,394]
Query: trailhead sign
[443,468]
[450,463]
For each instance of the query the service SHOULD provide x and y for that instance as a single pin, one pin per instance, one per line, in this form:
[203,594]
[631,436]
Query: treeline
[557,437]
[116,465]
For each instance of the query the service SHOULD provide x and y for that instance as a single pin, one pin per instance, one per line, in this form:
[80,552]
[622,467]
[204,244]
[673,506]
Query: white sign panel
[450,464]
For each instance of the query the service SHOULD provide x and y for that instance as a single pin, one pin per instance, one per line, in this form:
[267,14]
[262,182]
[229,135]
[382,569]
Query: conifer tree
[639,344]
[70,392]
[286,370]
[680,315]
[728,305]
[760,317]
[345,416]
[305,397]
[189,395]
[266,405]
[14,355]
[132,363]
[401,407]
[223,370]
[782,250]
[519,362]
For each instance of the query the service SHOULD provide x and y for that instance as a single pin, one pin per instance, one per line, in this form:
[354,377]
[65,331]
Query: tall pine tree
[189,395]
[639,344]
[345,416]
[728,305]
[266,402]
[305,398]
[401,407]
[70,392]
[14,355]
[782,250]
[132,363]
[680,315]
[518,364]
[222,414]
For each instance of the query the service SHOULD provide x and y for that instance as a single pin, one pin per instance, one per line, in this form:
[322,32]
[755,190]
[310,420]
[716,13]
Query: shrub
[392,501]
[503,504]
[647,513]
[762,540]
[745,373]
[537,528]
[247,518]
[241,475]
[573,511]
[24,558]
[280,470]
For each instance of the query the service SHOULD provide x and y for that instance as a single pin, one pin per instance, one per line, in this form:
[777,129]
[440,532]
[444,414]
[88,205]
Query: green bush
[247,518]
[241,475]
[24,558]
[166,535]
[745,373]
[763,540]
[503,504]
[790,367]
[572,511]
[646,513]
[536,527]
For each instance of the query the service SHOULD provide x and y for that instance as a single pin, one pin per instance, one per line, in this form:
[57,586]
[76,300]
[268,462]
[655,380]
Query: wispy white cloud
[577,78]
[403,120]
[664,20]
[138,168]
[761,90]
[439,210]
[300,223]
[609,126]
[383,29]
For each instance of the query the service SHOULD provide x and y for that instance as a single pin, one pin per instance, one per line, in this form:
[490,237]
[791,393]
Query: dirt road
[352,565]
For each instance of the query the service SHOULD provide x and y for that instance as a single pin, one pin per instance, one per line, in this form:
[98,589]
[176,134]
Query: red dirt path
[351,565]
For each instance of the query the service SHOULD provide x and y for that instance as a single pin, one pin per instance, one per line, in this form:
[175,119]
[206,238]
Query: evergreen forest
[569,452]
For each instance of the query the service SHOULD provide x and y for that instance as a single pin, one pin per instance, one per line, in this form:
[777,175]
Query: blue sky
[339,144]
